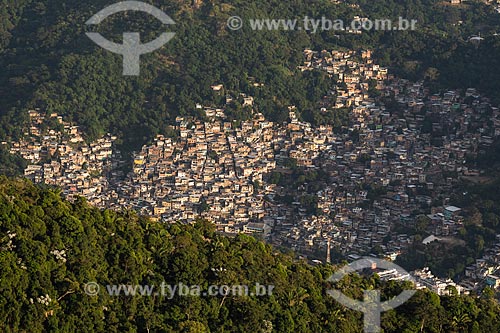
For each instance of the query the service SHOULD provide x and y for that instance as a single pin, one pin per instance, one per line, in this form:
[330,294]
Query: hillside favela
[256,174]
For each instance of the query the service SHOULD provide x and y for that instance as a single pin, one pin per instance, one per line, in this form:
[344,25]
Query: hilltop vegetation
[48,62]
[36,225]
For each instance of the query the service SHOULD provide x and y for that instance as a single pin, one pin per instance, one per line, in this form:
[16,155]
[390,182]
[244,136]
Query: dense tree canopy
[43,290]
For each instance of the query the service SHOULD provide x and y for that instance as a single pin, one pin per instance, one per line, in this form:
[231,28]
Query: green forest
[47,60]
[42,292]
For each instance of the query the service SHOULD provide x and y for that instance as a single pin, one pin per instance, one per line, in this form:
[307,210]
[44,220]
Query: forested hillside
[47,60]
[43,287]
